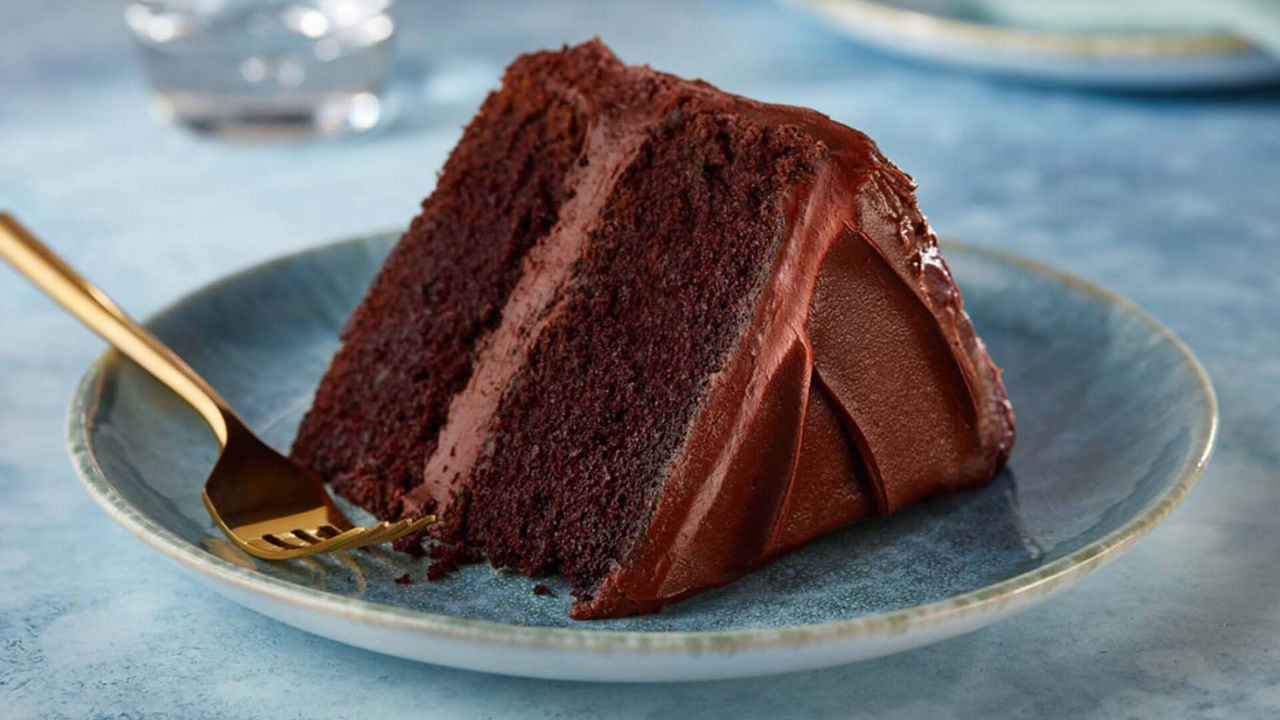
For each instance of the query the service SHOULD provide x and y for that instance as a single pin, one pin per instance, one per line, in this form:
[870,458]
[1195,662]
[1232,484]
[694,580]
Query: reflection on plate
[942,31]
[1115,418]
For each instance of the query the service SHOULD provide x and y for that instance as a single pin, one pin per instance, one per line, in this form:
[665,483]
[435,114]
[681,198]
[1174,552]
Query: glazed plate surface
[1116,420]
[964,33]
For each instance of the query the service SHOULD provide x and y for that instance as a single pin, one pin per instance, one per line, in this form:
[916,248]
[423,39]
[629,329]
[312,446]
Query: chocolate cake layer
[411,344]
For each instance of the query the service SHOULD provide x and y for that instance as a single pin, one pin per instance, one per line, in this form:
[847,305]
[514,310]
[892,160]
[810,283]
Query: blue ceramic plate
[962,33]
[1115,423]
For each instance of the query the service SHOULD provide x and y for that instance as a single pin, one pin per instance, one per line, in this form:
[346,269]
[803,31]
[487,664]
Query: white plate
[936,31]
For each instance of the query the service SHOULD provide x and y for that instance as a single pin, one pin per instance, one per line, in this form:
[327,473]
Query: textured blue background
[1172,201]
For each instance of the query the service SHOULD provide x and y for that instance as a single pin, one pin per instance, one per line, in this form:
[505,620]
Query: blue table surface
[1173,201]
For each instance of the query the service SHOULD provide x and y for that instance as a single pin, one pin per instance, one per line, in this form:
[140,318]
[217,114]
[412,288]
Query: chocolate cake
[650,336]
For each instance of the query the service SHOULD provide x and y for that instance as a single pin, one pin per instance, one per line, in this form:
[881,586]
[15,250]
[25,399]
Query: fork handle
[92,307]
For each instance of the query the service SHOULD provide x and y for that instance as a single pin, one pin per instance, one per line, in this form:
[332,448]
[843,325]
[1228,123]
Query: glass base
[269,119]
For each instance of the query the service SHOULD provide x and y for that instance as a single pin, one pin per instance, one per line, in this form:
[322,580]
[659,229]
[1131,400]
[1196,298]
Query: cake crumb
[439,570]
[542,589]
[449,558]
[411,545]
[404,580]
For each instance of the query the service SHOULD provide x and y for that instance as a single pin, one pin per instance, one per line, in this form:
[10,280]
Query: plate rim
[1020,589]
[877,16]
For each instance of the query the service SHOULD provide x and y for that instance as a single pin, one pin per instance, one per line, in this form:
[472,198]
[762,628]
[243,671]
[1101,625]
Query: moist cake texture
[650,336]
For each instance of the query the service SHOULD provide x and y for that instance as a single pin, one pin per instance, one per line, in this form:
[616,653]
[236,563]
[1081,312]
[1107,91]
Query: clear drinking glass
[266,68]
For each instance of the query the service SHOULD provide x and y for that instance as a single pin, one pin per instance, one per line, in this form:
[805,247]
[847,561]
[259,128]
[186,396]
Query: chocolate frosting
[859,386]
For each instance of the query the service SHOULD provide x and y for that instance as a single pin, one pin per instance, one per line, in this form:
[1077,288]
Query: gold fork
[267,505]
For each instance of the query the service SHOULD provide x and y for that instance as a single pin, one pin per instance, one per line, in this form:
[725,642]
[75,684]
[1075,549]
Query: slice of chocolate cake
[650,336]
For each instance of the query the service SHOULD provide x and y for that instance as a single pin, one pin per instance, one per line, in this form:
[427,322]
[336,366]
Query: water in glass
[266,68]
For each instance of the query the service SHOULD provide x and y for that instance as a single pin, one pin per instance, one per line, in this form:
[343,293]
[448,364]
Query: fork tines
[327,538]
